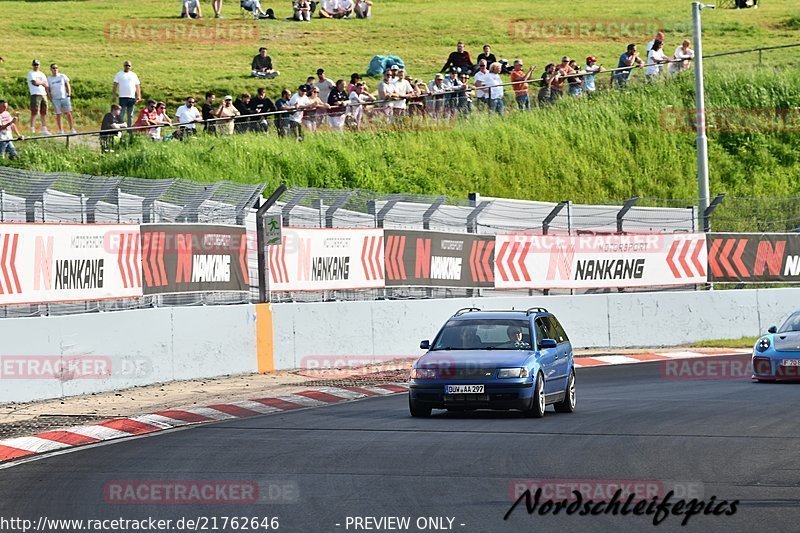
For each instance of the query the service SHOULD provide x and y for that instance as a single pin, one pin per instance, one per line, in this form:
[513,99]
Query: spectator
[358,99]
[563,70]
[493,80]
[216,5]
[415,103]
[460,58]
[404,91]
[387,92]
[261,67]
[547,91]
[316,111]
[324,85]
[303,9]
[337,98]
[592,69]
[59,90]
[281,119]
[463,102]
[187,115]
[228,112]
[659,37]
[8,130]
[346,9]
[161,119]
[521,86]
[208,112]
[298,103]
[655,58]
[111,121]
[628,59]
[243,123]
[328,9]
[363,9]
[254,7]
[453,88]
[129,90]
[575,82]
[37,85]
[436,96]
[684,53]
[191,9]
[355,77]
[481,79]
[487,55]
[147,116]
[262,104]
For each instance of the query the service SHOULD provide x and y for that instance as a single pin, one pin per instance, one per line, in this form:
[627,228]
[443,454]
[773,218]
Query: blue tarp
[379,64]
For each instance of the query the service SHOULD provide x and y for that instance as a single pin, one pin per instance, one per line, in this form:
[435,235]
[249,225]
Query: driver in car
[515,335]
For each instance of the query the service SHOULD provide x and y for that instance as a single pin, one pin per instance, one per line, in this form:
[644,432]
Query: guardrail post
[710,210]
[340,201]
[84,214]
[624,211]
[426,217]
[291,204]
[261,244]
[478,207]
[380,217]
[551,216]
[319,205]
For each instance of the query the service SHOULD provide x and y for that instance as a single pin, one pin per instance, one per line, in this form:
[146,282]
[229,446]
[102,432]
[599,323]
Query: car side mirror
[425,345]
[773,329]
[547,343]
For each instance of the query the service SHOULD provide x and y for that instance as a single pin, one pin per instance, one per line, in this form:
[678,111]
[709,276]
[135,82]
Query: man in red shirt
[521,87]
[147,116]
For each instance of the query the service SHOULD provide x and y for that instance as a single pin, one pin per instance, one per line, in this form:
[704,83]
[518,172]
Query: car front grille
[466,373]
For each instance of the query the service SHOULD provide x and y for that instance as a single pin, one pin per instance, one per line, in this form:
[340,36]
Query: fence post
[546,229]
[2,205]
[291,204]
[710,210]
[337,204]
[380,217]
[260,242]
[426,217]
[624,211]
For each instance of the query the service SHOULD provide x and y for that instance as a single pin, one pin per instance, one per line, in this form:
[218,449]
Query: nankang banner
[436,259]
[42,263]
[310,259]
[599,261]
[193,258]
[754,257]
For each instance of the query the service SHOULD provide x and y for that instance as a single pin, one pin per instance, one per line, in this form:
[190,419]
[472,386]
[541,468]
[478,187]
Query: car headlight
[506,373]
[423,373]
[763,344]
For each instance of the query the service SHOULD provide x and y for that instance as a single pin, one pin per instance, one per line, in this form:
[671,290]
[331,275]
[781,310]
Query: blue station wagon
[495,360]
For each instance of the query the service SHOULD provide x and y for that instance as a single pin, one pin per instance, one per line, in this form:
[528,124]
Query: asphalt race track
[728,438]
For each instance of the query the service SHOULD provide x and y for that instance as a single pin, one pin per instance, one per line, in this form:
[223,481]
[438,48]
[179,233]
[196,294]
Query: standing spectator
[659,37]
[262,104]
[191,9]
[521,87]
[8,129]
[324,85]
[162,119]
[493,80]
[216,5]
[281,119]
[683,54]
[358,100]
[655,58]
[363,9]
[226,111]
[147,116]
[355,77]
[464,101]
[575,82]
[436,96]
[112,122]
[563,70]
[404,91]
[460,58]
[591,68]
[298,103]
[37,85]
[387,93]
[316,111]
[187,115]
[243,123]
[261,66]
[337,99]
[208,112]
[547,92]
[59,90]
[629,59]
[481,79]
[487,55]
[129,90]
[453,87]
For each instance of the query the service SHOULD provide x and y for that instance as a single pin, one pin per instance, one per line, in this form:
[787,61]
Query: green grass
[744,342]
[612,147]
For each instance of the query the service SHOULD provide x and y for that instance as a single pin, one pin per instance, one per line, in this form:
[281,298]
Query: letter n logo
[561,258]
[43,264]
[772,259]
[422,267]
[303,259]
[184,268]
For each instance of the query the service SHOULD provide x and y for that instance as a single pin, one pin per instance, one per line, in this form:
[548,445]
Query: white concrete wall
[394,328]
[142,347]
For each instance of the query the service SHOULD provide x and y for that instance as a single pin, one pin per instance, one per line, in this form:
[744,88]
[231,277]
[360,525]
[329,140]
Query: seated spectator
[575,82]
[549,78]
[262,104]
[655,60]
[187,116]
[436,96]
[683,53]
[521,86]
[329,9]
[112,121]
[8,131]
[337,99]
[261,67]
[207,111]
[147,116]
[358,98]
[494,81]
[254,7]
[592,68]
[226,111]
[162,119]
[629,59]
[346,9]
[355,77]
[191,9]
[303,9]
[363,9]
[243,122]
[460,59]
[487,55]
[282,104]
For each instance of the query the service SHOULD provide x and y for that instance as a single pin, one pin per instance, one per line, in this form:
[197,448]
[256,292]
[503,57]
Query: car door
[547,356]
[563,356]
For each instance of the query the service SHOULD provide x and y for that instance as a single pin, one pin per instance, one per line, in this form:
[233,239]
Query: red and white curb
[49,441]
[607,360]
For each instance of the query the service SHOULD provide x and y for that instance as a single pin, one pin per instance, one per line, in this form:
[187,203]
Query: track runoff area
[691,448]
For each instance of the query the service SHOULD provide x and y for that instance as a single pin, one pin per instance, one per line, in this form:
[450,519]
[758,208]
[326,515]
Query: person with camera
[627,62]
[521,77]
[226,111]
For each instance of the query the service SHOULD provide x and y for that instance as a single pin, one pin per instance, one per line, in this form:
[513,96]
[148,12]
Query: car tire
[538,403]
[417,410]
[567,405]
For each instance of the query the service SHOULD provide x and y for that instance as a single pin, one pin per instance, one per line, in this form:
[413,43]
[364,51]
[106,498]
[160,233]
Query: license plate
[464,389]
[791,362]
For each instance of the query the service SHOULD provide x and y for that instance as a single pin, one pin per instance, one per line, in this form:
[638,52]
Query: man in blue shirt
[592,68]
[629,59]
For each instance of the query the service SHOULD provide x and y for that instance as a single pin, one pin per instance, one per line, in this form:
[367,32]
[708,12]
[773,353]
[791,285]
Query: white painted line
[255,406]
[343,393]
[378,390]
[98,432]
[34,444]
[302,400]
[208,413]
[159,421]
[617,359]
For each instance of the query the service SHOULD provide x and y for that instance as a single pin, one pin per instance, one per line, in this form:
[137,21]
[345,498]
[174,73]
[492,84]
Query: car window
[560,334]
[482,334]
[542,331]
[792,324]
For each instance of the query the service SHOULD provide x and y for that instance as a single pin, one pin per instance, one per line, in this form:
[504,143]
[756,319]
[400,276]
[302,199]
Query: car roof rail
[465,310]
[533,310]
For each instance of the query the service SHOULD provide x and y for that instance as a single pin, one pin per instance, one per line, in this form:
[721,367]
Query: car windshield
[484,334]
[792,324]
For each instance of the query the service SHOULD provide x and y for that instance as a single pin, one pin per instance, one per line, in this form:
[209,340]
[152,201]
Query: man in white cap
[521,86]
[37,85]
[226,110]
